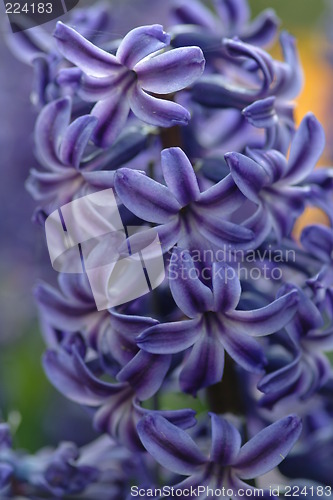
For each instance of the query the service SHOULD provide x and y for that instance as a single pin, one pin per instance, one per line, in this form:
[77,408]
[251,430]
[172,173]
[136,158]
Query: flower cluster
[193,129]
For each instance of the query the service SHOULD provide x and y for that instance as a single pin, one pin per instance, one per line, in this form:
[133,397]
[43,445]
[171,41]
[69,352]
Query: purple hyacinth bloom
[72,309]
[71,168]
[36,47]
[271,182]
[61,148]
[282,79]
[320,183]
[118,84]
[197,25]
[318,241]
[257,78]
[7,465]
[185,215]
[118,404]
[215,325]
[229,463]
[64,475]
[309,369]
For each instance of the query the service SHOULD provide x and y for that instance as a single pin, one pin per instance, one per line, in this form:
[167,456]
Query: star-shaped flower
[229,463]
[215,325]
[193,219]
[120,83]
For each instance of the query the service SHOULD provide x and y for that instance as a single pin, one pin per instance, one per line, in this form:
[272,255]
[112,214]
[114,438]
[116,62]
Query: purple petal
[93,89]
[273,162]
[307,317]
[249,176]
[262,113]
[145,373]
[214,92]
[194,13]
[168,235]
[29,44]
[243,349]
[189,293]
[281,378]
[170,338]
[61,312]
[77,288]
[320,341]
[226,287]
[117,419]
[318,240]
[268,319]
[69,79]
[68,373]
[260,223]
[112,114]
[145,197]
[6,473]
[268,448]
[170,446]
[223,196]
[102,179]
[263,29]
[46,186]
[76,139]
[130,325]
[226,441]
[285,206]
[158,112]
[222,232]
[140,42]
[51,125]
[204,366]
[264,62]
[172,71]
[289,74]
[84,54]
[234,14]
[184,418]
[179,175]
[306,149]
[238,487]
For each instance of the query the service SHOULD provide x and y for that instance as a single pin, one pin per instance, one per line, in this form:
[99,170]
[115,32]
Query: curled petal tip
[285,36]
[60,29]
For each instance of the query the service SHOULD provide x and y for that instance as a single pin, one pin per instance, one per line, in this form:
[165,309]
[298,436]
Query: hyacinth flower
[118,364]
[320,184]
[215,325]
[6,464]
[118,84]
[259,77]
[71,168]
[318,240]
[36,47]
[118,404]
[313,457]
[229,463]
[185,215]
[72,309]
[197,25]
[272,182]
[97,470]
[309,368]
[39,471]
[262,76]
[49,472]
